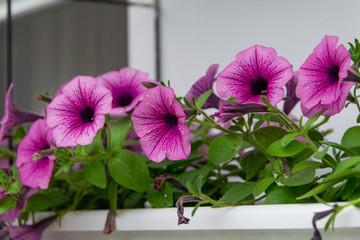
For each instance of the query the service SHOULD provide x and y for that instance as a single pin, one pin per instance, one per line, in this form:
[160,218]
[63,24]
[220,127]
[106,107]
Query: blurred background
[55,40]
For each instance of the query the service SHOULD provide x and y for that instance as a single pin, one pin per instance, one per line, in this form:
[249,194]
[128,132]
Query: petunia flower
[13,117]
[291,93]
[35,173]
[159,122]
[29,232]
[78,113]
[125,87]
[230,110]
[256,72]
[204,84]
[320,83]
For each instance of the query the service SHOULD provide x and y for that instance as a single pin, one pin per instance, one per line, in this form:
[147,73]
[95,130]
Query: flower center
[333,73]
[259,86]
[87,115]
[170,120]
[125,99]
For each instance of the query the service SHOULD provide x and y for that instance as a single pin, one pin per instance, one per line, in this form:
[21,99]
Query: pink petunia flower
[125,87]
[35,173]
[13,117]
[159,121]
[256,72]
[320,83]
[78,113]
[204,84]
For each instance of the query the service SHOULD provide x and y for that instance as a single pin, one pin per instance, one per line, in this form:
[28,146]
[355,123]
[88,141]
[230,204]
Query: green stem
[353,202]
[207,199]
[310,142]
[212,126]
[253,142]
[355,97]
[325,120]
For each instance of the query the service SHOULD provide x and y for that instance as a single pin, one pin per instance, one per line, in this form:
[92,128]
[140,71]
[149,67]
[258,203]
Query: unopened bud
[43,153]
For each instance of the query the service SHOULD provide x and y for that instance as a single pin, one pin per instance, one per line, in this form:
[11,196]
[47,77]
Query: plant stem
[207,199]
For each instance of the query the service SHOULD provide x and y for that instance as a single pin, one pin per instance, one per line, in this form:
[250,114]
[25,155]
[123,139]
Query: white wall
[198,33]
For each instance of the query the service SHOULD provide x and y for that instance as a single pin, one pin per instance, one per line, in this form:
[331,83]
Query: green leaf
[203,97]
[341,175]
[305,176]
[267,135]
[12,189]
[130,170]
[195,209]
[132,199]
[347,163]
[94,172]
[321,155]
[238,192]
[160,198]
[338,146]
[304,164]
[262,185]
[351,137]
[224,148]
[57,197]
[318,189]
[38,202]
[6,204]
[313,119]
[291,149]
[252,163]
[281,195]
[191,189]
[118,133]
[288,138]
[112,195]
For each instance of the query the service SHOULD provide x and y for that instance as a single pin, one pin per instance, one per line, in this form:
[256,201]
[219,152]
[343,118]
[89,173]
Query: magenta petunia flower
[256,72]
[230,110]
[125,87]
[30,232]
[320,83]
[204,84]
[13,117]
[159,122]
[35,173]
[78,113]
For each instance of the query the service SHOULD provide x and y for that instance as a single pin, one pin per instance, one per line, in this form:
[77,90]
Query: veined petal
[78,113]
[256,72]
[159,122]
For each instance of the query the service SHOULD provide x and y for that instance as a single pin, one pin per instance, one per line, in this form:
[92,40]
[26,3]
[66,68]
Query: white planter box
[292,221]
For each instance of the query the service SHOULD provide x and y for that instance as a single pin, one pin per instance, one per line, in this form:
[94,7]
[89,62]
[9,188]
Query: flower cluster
[120,133]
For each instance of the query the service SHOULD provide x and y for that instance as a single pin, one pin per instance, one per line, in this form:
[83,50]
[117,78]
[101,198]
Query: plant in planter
[122,140]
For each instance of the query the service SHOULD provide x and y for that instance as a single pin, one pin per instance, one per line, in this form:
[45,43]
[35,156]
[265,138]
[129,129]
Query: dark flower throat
[333,73]
[170,120]
[259,86]
[125,99]
[87,115]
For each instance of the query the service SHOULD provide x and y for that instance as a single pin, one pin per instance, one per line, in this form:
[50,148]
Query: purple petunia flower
[159,122]
[230,110]
[320,83]
[35,173]
[13,117]
[78,113]
[204,84]
[125,87]
[291,94]
[30,232]
[256,72]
